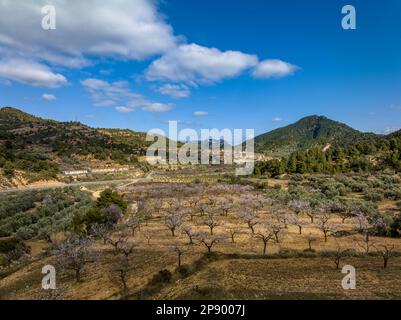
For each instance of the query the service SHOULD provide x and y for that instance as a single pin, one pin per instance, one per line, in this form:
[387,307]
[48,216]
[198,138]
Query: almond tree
[179,250]
[340,254]
[368,229]
[74,253]
[117,242]
[209,240]
[233,232]
[202,208]
[280,215]
[225,207]
[121,264]
[250,218]
[121,267]
[299,206]
[276,229]
[173,221]
[386,252]
[100,231]
[134,224]
[264,233]
[212,222]
[325,226]
[296,221]
[148,236]
[311,239]
[188,231]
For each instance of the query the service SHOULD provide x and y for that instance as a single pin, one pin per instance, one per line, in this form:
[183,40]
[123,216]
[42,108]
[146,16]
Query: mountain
[312,131]
[42,147]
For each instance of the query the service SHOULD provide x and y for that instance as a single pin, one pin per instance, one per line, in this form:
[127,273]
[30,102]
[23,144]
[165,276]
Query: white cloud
[49,97]
[129,29]
[277,119]
[119,93]
[176,91]
[124,109]
[200,113]
[157,107]
[194,64]
[273,69]
[30,72]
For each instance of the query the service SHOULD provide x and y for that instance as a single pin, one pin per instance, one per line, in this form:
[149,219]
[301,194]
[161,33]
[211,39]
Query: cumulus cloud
[176,91]
[30,72]
[200,113]
[48,97]
[119,93]
[273,69]
[194,64]
[129,29]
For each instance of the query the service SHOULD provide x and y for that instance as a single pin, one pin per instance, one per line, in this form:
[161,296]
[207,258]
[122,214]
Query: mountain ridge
[308,132]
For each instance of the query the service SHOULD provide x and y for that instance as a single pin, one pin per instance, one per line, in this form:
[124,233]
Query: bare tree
[368,229]
[209,240]
[179,250]
[202,208]
[386,252]
[311,239]
[233,232]
[134,224]
[121,267]
[173,221]
[360,218]
[264,233]
[325,226]
[250,218]
[148,236]
[74,253]
[212,222]
[296,221]
[299,206]
[101,231]
[188,231]
[121,264]
[340,254]
[281,216]
[276,228]
[225,207]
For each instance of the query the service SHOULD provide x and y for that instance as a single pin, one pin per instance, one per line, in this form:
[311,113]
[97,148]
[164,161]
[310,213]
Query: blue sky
[273,62]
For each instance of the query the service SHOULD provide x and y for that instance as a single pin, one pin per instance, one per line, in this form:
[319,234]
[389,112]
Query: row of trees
[337,160]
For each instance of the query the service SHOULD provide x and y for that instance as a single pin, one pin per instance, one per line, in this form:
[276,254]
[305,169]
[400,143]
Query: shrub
[26,233]
[164,276]
[184,271]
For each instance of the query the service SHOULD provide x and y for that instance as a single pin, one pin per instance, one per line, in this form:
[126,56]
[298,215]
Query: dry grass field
[233,270]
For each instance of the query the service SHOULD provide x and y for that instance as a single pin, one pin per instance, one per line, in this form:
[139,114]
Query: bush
[184,271]
[11,244]
[164,276]
[26,233]
[395,228]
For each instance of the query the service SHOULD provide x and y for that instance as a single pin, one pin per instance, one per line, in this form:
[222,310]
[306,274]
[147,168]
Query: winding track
[79,184]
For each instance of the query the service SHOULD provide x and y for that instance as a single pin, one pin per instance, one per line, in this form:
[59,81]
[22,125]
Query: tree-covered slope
[312,131]
[37,145]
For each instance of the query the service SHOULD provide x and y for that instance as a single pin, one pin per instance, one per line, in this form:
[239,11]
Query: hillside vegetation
[40,148]
[312,131]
